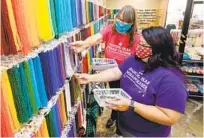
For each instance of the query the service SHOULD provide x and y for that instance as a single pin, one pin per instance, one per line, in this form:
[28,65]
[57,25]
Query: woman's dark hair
[129,16]
[163,50]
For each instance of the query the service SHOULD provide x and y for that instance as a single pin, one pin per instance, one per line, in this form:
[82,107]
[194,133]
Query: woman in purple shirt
[155,83]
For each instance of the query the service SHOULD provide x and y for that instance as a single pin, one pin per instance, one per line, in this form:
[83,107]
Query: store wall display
[149,17]
[193,70]
[144,7]
[53,121]
[79,12]
[11,43]
[39,85]
[26,26]
[30,23]
[6,130]
[40,81]
[63,15]
[144,4]
[43,20]
[53,16]
[69,63]
[191,87]
[53,71]
[20,92]
[194,86]
[33,81]
[83,8]
[8,112]
[192,64]
[73,12]
[194,44]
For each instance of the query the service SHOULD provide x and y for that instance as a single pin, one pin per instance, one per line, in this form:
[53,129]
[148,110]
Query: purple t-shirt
[160,87]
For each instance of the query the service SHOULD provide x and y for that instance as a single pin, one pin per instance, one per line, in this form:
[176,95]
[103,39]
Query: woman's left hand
[119,104]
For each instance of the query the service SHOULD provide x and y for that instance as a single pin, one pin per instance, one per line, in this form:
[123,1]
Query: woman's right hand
[83,78]
[78,46]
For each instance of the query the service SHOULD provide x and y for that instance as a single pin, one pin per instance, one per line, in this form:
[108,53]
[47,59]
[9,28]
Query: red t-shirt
[116,44]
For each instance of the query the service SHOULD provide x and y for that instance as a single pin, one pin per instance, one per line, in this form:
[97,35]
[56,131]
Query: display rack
[34,123]
[28,129]
[190,42]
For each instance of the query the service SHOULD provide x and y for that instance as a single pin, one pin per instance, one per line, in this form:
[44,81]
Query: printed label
[118,50]
[138,80]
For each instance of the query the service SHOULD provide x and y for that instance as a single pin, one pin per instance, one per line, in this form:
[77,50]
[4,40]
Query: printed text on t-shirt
[138,80]
[119,50]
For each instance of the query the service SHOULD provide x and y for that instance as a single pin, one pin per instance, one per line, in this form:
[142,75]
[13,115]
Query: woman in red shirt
[120,40]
